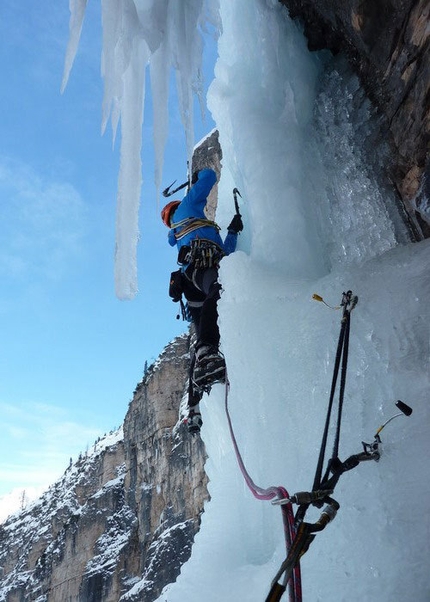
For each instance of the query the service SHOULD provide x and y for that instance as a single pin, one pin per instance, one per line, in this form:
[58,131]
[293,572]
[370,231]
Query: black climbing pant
[202,291]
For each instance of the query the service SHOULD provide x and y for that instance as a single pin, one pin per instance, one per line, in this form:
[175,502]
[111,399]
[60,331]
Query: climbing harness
[200,254]
[300,534]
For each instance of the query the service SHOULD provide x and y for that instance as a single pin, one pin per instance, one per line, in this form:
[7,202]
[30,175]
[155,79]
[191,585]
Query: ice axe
[236,202]
[167,192]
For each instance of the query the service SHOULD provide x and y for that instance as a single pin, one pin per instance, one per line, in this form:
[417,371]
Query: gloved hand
[194,177]
[236,224]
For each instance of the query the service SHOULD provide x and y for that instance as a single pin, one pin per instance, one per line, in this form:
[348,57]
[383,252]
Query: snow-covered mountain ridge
[119,521]
[48,531]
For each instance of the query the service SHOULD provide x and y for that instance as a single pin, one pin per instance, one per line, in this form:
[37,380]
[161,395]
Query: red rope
[295,584]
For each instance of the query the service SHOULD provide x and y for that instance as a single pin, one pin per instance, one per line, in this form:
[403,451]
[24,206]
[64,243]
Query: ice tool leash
[298,533]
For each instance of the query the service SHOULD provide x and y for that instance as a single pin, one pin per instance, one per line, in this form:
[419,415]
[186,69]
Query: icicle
[130,175]
[160,70]
[77,12]
[162,33]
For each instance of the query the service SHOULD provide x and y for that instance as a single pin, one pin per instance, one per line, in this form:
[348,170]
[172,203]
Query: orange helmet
[167,212]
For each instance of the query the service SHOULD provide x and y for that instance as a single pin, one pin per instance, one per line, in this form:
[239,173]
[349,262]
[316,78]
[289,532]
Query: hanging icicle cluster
[160,35]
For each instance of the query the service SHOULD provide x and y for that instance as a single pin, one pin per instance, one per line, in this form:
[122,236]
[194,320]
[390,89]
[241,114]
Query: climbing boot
[193,421]
[209,367]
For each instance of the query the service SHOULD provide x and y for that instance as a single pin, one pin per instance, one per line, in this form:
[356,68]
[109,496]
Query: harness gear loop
[200,254]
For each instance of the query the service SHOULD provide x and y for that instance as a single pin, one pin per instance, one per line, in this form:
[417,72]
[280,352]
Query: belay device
[298,533]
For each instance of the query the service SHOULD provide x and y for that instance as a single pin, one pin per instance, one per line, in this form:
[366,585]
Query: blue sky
[71,352]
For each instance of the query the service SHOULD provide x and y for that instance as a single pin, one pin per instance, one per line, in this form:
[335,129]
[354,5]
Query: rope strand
[294,581]
[258,492]
[341,361]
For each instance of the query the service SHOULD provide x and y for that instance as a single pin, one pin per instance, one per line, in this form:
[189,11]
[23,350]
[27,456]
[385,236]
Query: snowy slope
[37,539]
[316,220]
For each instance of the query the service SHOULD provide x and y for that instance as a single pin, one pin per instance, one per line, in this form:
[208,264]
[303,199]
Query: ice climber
[200,250]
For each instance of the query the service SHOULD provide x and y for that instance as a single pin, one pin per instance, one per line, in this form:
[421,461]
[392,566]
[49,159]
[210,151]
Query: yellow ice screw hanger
[316,297]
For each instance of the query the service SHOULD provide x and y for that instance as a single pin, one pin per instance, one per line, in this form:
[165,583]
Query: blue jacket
[193,205]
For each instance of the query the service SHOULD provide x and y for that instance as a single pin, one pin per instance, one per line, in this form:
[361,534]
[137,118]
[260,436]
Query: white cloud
[43,223]
[37,443]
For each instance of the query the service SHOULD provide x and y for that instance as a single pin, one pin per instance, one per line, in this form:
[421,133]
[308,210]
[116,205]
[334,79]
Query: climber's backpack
[176,287]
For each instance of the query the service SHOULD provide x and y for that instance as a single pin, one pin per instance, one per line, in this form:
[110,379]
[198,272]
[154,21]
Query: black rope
[335,452]
[323,487]
[340,361]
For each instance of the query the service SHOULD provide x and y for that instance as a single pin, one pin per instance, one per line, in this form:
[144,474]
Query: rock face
[166,482]
[121,521]
[209,154]
[387,43]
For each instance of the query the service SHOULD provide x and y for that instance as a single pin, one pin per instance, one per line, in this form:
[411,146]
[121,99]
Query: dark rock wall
[387,43]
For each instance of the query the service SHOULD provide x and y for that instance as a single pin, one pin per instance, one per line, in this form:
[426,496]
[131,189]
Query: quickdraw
[300,534]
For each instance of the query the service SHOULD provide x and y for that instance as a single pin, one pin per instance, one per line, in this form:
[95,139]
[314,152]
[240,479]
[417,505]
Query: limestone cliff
[208,153]
[387,43]
[121,521]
